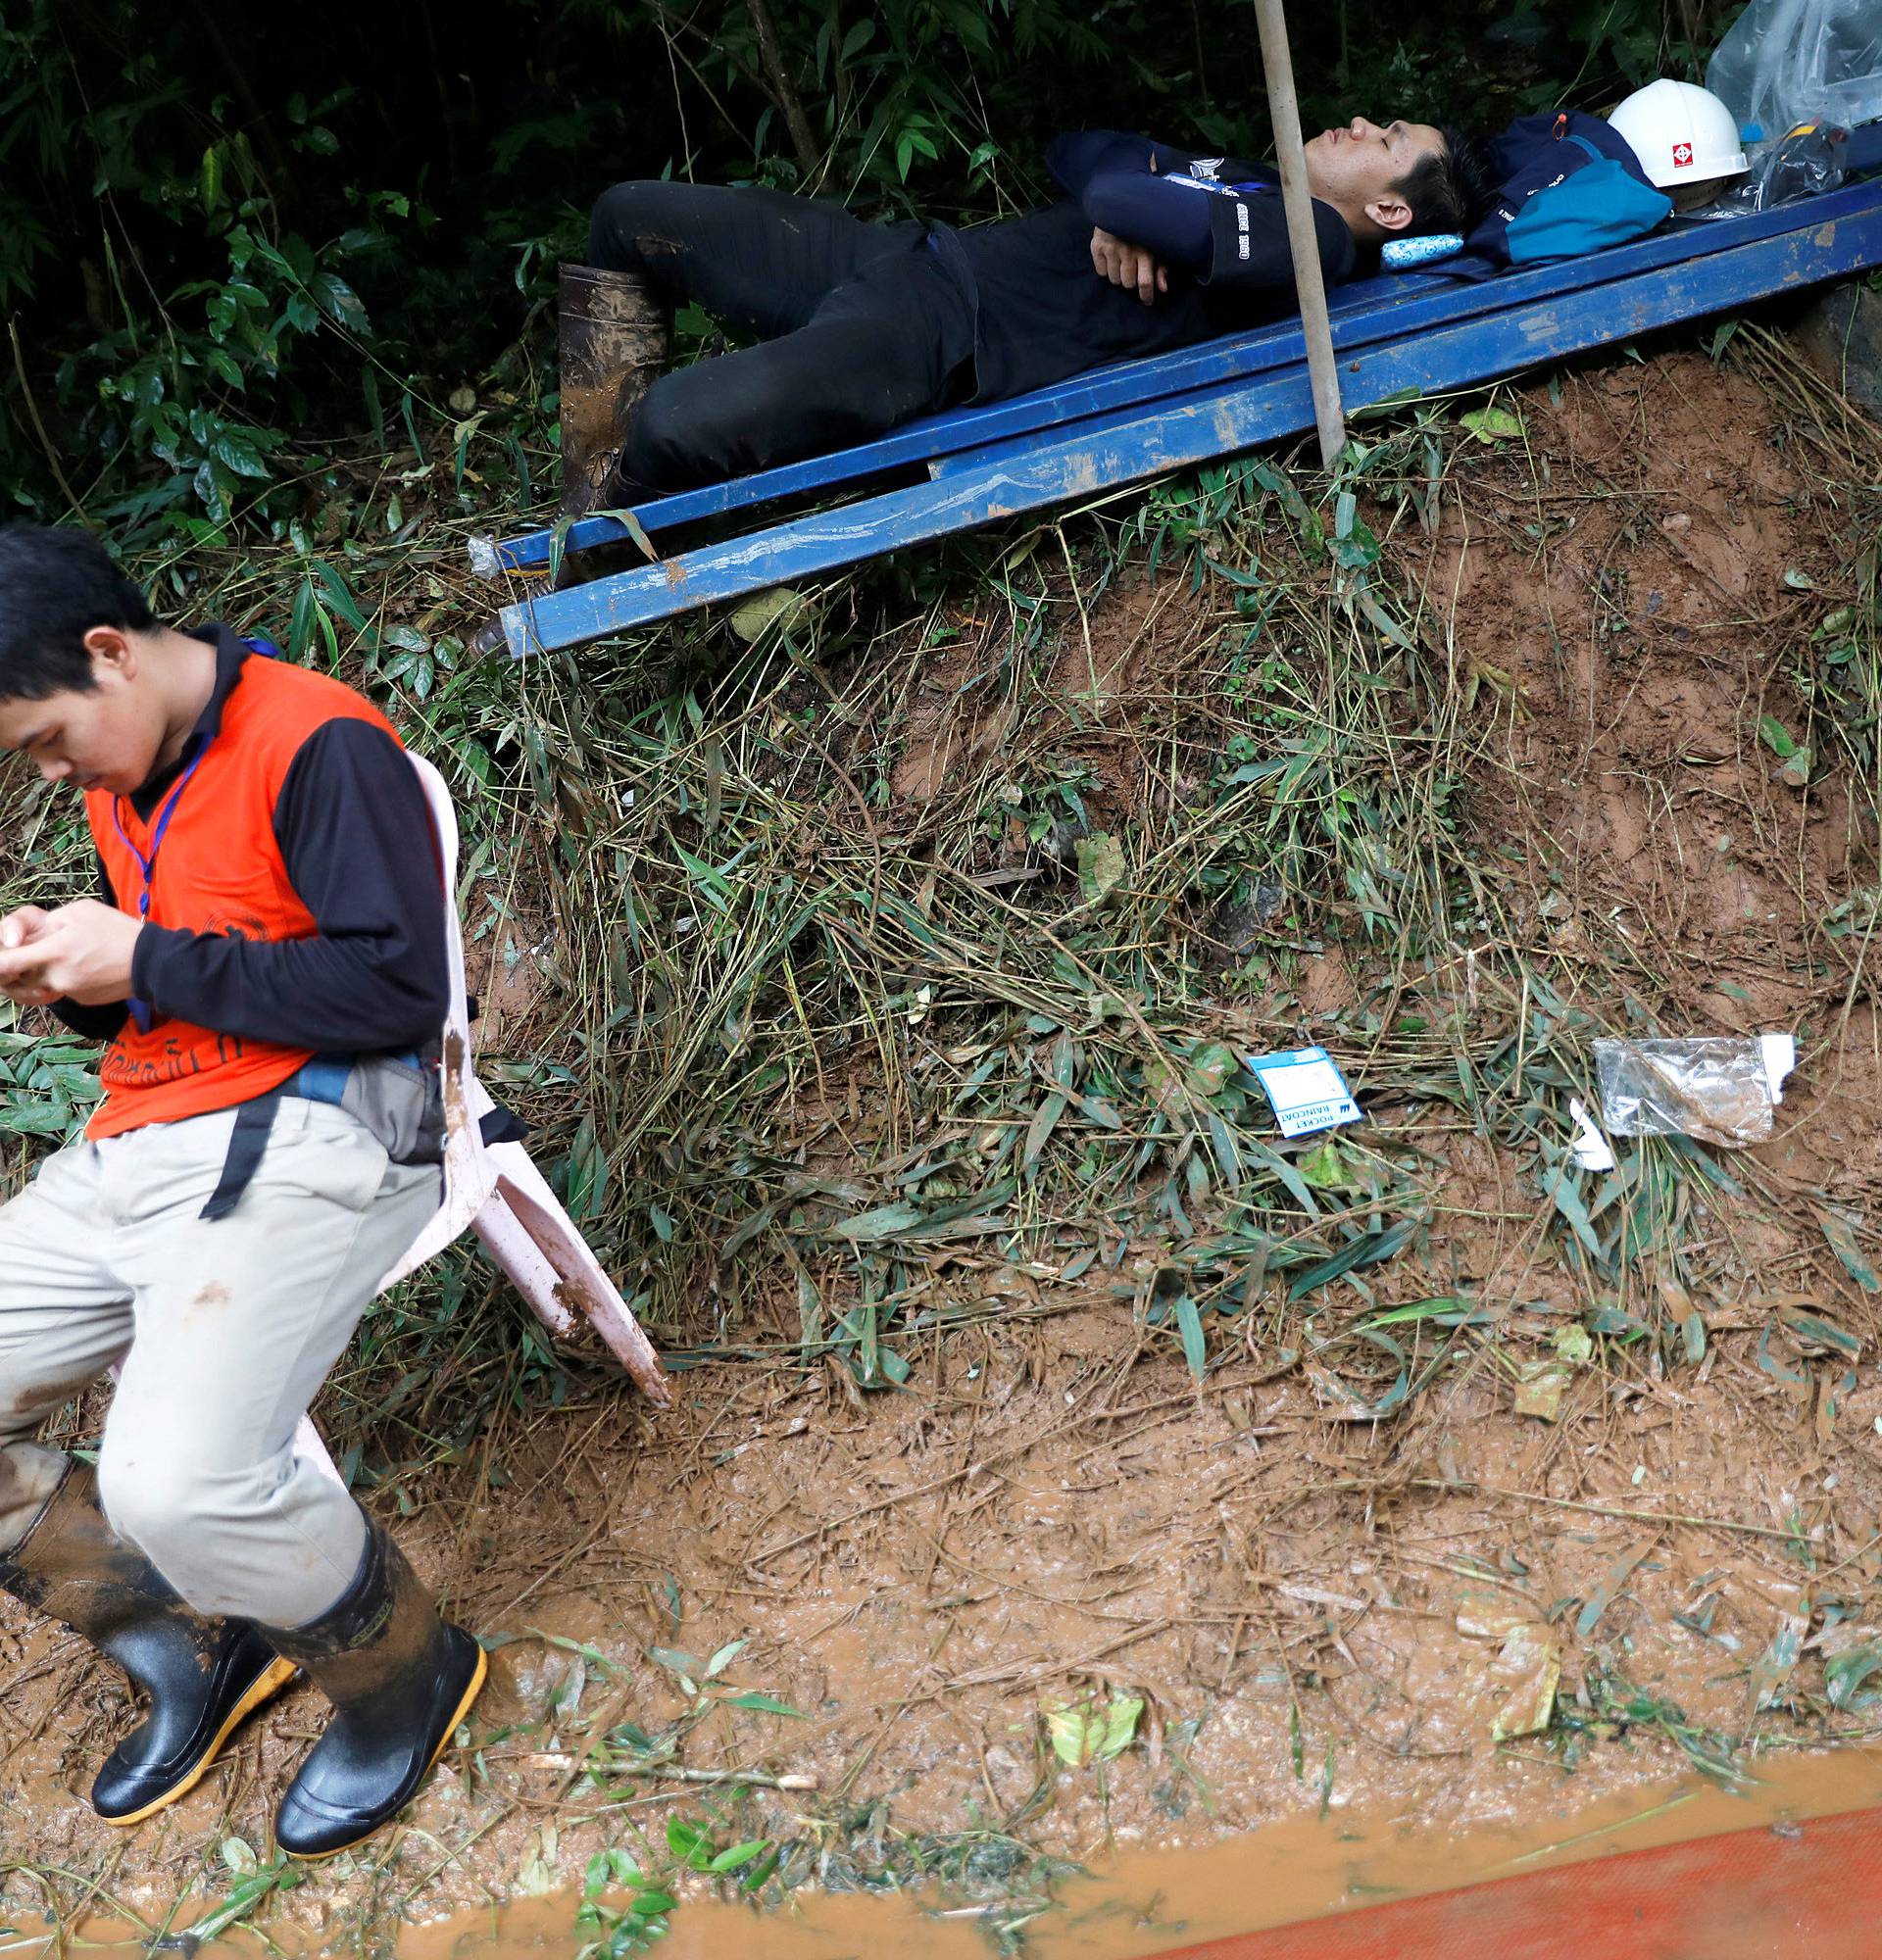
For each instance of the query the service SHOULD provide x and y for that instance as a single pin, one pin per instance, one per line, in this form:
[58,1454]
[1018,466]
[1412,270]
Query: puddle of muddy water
[1137,1903]
[1143,1902]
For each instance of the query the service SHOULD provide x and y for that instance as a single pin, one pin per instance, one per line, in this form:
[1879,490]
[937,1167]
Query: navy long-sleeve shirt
[355,835]
[1042,312]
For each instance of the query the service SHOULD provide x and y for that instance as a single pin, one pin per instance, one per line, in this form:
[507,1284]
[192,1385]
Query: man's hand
[79,953]
[19,928]
[1128,265]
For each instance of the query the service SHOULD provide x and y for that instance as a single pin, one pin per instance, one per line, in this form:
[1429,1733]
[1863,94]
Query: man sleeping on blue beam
[863,327]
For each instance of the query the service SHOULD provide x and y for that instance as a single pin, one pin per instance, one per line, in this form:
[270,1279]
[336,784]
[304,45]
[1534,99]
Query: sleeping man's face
[1358,169]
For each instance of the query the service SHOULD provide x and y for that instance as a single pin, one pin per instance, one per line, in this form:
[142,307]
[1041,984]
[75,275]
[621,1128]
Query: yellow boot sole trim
[265,1685]
[464,1707]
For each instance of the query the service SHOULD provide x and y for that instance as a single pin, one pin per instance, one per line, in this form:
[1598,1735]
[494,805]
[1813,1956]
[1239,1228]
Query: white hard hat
[1681,133]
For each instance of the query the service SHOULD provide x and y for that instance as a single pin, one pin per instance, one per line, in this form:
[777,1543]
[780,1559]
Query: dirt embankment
[1314,1610]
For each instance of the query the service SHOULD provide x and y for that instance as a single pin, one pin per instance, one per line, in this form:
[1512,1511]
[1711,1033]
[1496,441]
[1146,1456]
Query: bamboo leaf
[1371,1248]
[725,1657]
[1189,1326]
[1039,1130]
[1841,1234]
[765,1704]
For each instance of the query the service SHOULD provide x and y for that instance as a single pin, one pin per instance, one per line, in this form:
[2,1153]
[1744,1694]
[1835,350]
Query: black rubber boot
[400,1681]
[614,332]
[202,1675]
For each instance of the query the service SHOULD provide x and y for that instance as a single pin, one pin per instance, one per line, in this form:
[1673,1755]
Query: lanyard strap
[256,643]
[148,864]
[140,1011]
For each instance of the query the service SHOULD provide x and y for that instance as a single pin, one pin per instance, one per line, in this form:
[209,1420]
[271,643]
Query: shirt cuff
[148,955]
[99,1024]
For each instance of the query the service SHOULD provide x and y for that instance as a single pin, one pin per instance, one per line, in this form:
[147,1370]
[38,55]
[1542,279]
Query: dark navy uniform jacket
[1043,313]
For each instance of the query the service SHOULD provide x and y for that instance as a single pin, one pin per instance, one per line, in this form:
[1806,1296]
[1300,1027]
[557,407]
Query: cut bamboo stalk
[1290,153]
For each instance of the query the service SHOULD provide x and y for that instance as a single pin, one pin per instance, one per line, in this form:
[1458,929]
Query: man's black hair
[57,583]
[1448,188]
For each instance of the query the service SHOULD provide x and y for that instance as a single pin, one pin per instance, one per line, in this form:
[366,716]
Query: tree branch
[782,91]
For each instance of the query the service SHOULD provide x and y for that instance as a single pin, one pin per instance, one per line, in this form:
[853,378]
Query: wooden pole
[1285,111]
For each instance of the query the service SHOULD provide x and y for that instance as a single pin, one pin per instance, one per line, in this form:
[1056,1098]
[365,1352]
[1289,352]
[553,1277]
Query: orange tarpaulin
[1802,1891]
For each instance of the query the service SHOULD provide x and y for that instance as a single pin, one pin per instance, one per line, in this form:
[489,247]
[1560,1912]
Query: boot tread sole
[263,1687]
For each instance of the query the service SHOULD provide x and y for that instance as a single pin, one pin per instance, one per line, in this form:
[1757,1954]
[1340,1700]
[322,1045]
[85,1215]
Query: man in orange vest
[268,970]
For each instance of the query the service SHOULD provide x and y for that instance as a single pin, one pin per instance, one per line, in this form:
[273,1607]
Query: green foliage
[255,1883]
[614,1933]
[47,1087]
[210,326]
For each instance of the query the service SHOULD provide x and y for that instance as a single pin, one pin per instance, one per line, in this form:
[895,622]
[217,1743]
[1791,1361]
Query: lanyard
[254,644]
[148,864]
[140,1010]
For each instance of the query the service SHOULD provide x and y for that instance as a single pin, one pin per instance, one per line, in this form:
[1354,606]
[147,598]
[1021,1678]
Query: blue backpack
[1568,184]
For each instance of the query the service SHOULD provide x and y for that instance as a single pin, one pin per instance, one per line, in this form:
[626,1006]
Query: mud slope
[1315,1611]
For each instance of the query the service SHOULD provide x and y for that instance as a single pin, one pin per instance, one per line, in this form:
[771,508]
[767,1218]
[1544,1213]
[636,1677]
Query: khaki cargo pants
[232,1327]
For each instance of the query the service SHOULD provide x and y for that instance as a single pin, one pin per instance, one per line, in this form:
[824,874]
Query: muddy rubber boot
[202,1675]
[614,333]
[400,1680]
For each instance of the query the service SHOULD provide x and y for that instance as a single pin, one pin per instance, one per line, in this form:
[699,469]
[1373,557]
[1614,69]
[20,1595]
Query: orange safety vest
[215,867]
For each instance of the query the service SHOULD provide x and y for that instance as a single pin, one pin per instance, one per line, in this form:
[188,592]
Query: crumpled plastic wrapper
[1721,1089]
[1806,163]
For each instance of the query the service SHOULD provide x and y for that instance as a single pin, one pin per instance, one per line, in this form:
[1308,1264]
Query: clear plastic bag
[1787,62]
[1721,1089]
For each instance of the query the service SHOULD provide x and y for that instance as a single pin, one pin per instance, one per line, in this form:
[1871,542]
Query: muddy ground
[1315,1611]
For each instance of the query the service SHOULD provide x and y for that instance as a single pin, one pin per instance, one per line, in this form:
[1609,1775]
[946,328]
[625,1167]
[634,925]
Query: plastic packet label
[1305,1089]
[1721,1089]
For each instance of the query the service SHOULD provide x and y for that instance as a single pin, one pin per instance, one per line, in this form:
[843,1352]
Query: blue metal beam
[1363,314]
[1008,478]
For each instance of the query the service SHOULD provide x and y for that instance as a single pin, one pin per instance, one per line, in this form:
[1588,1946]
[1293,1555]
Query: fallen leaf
[538,1875]
[1210,1067]
[1777,737]
[1102,864]
[1773,1667]
[1121,1724]
[1493,424]
[1092,1732]
[1534,1656]
[1540,1388]
[1493,1615]
[1575,1344]
[1840,1231]
[777,606]
[1530,1659]
[1323,1167]
[1686,1317]
[1604,1594]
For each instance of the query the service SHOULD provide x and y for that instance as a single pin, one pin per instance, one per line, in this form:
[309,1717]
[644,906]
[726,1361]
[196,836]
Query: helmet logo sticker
[1682,156]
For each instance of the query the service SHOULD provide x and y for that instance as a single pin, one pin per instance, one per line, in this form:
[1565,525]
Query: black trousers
[863,328]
